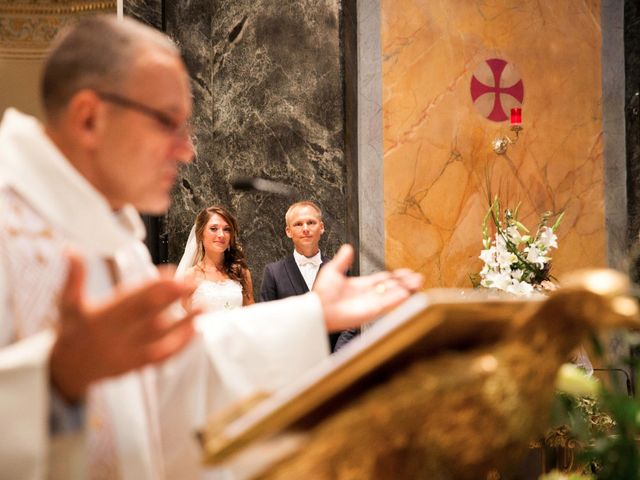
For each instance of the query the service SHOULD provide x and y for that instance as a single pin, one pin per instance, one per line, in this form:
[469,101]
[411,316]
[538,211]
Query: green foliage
[615,455]
[608,428]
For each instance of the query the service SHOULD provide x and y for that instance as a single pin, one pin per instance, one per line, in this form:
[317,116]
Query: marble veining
[370,161]
[613,93]
[632,113]
[147,11]
[268,102]
[439,169]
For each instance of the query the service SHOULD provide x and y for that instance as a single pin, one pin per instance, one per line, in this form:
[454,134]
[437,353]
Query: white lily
[534,255]
[523,289]
[515,269]
[496,280]
[489,256]
[547,239]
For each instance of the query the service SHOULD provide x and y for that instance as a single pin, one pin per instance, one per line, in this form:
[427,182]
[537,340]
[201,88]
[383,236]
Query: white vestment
[47,207]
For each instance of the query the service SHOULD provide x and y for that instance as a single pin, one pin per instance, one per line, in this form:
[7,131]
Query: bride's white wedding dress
[223,295]
[210,296]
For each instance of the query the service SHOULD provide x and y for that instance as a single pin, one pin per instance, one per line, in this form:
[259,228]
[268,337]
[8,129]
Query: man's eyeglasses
[180,130]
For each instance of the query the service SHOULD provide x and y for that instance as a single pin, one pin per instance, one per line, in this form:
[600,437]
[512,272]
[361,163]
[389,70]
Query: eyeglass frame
[161,117]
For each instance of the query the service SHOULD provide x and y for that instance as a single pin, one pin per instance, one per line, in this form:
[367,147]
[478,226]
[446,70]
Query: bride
[214,259]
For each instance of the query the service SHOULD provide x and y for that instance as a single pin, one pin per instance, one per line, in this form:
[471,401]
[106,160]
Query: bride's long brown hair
[234,263]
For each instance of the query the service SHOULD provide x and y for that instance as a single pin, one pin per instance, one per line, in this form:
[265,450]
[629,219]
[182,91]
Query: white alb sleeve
[265,346]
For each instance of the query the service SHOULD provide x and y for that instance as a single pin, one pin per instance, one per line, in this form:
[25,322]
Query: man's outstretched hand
[349,302]
[131,329]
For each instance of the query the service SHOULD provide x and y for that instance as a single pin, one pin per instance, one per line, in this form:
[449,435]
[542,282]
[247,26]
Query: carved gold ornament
[27,27]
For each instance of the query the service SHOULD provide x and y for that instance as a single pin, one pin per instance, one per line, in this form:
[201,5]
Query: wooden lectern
[451,385]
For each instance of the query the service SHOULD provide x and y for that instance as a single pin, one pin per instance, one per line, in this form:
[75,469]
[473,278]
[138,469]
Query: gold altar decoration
[27,27]
[560,441]
[455,390]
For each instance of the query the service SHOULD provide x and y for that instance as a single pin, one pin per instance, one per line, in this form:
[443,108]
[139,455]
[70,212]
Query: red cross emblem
[496,87]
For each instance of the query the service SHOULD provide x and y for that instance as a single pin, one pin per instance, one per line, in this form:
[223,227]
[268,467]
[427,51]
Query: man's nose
[184,149]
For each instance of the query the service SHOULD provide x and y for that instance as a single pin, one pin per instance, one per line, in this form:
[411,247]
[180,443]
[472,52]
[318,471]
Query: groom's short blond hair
[303,203]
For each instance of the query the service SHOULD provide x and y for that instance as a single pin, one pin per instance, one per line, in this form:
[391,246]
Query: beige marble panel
[439,169]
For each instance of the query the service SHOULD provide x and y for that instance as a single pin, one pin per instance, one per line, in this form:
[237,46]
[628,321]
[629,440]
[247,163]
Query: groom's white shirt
[151,414]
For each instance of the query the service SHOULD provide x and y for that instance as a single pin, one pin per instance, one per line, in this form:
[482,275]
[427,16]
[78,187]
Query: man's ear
[321,227]
[287,230]
[85,114]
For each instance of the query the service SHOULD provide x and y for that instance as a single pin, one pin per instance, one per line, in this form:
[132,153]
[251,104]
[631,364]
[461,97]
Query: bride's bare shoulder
[193,273]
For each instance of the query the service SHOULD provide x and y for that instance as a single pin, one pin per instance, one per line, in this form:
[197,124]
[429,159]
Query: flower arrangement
[514,260]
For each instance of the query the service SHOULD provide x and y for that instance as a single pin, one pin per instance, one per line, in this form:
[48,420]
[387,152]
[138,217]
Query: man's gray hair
[98,53]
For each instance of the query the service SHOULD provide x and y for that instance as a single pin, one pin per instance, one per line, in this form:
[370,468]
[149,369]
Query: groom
[99,377]
[296,273]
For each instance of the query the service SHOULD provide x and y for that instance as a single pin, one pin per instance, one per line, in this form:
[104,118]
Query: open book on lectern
[424,325]
[427,323]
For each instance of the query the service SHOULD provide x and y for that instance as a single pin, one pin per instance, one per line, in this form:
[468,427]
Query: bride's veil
[191,254]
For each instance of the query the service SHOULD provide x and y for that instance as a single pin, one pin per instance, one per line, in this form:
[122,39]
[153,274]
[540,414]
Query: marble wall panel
[613,127]
[632,110]
[268,98]
[370,151]
[439,169]
[147,11]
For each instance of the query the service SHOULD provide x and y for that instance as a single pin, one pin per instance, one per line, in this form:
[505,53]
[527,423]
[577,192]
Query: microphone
[262,185]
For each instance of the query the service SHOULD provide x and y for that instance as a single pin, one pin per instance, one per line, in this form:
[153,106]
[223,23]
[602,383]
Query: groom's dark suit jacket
[283,279]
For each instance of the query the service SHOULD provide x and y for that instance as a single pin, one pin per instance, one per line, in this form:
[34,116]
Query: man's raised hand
[131,329]
[349,302]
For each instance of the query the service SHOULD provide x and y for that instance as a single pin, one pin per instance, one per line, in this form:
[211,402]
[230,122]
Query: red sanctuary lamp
[501,144]
[516,117]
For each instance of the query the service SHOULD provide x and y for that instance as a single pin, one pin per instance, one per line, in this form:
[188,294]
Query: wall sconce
[501,144]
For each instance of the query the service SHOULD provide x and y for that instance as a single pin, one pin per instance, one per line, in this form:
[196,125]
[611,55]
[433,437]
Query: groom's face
[305,228]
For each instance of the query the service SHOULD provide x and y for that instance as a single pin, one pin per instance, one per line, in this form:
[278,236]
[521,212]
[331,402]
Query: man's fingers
[136,352]
[153,298]
[391,298]
[167,271]
[144,302]
[151,329]
[371,280]
[365,307]
[401,278]
[411,280]
[174,339]
[362,285]
[343,259]
[71,295]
